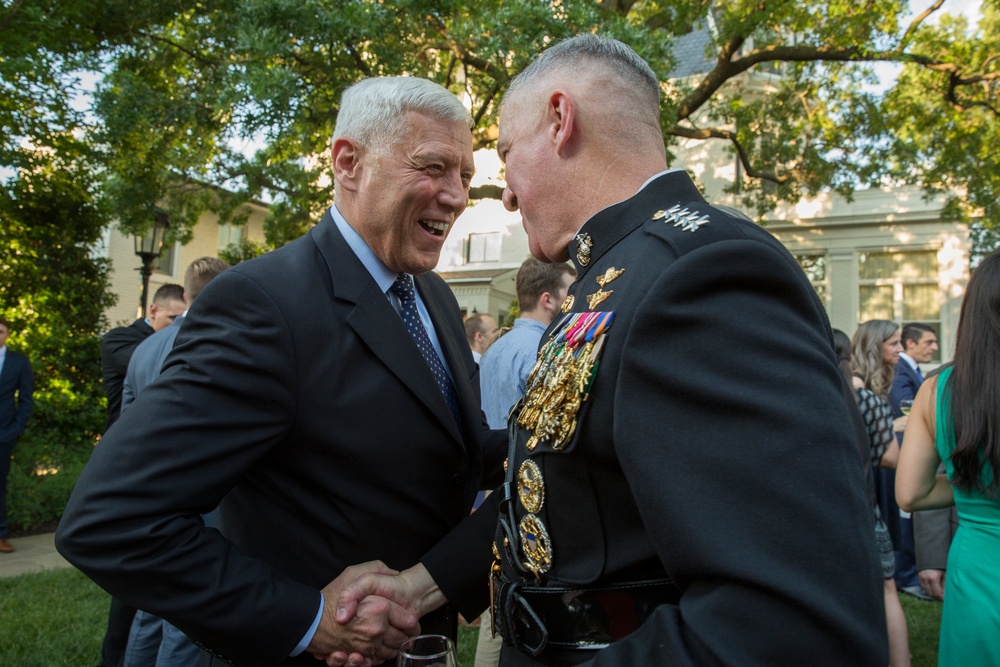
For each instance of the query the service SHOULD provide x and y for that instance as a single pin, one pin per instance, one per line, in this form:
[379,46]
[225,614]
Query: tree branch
[916,23]
[195,56]
[362,65]
[728,135]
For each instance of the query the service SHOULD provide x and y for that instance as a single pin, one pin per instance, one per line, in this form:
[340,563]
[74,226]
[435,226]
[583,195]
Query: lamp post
[148,247]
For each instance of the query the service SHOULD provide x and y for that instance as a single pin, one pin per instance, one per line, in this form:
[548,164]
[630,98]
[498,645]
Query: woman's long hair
[866,355]
[975,382]
[842,346]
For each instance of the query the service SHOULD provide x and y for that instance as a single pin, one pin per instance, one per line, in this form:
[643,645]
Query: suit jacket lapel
[377,323]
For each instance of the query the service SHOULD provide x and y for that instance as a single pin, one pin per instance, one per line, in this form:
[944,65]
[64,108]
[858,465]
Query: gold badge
[584,244]
[535,544]
[611,274]
[595,299]
[530,487]
[568,303]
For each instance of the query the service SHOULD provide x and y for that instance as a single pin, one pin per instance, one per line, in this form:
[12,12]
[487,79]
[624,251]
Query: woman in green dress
[956,418]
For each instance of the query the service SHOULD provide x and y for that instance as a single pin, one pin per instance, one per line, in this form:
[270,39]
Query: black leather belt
[531,617]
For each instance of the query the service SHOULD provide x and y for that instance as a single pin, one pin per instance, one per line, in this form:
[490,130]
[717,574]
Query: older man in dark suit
[16,386]
[324,397]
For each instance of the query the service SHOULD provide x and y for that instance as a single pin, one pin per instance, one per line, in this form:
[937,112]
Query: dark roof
[690,53]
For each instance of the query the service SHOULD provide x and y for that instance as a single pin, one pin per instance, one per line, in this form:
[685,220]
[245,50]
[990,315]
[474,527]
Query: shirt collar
[382,275]
[908,359]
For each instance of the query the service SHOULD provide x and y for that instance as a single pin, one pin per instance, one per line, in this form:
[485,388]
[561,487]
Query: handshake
[369,610]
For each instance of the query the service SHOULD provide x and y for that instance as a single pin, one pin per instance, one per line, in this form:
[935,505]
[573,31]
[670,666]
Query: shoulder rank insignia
[687,220]
[584,244]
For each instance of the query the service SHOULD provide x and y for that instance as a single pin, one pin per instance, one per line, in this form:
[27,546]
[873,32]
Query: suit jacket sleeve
[132,523]
[25,401]
[728,413]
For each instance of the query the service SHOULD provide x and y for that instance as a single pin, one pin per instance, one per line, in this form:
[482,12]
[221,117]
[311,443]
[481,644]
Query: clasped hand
[368,611]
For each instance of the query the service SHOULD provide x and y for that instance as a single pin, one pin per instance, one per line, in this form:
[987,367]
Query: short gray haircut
[372,110]
[581,53]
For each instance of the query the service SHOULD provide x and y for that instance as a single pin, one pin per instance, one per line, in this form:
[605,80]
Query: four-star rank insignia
[686,219]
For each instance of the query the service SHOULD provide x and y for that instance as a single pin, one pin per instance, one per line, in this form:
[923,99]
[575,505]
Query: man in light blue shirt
[504,369]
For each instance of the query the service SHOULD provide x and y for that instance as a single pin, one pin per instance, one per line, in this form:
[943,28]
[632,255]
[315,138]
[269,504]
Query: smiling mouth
[434,227]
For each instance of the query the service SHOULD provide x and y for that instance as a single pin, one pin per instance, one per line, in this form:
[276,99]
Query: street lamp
[148,247]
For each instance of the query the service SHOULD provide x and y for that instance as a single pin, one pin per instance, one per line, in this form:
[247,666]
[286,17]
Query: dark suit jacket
[716,448]
[147,361]
[16,386]
[905,384]
[116,350]
[296,400]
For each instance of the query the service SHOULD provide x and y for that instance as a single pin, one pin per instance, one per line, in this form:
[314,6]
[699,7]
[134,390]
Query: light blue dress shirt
[505,367]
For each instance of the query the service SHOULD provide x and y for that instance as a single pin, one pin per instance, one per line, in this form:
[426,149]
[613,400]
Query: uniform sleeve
[731,426]
[132,523]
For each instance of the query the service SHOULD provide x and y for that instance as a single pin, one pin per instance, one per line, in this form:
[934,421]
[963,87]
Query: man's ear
[560,117]
[346,163]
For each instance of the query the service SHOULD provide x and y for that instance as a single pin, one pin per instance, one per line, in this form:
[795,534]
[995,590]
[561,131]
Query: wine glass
[905,406]
[427,651]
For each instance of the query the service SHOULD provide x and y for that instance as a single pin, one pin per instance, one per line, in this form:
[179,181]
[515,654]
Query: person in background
[153,642]
[955,420]
[16,387]
[503,371]
[919,345]
[874,353]
[117,347]
[119,343]
[480,330]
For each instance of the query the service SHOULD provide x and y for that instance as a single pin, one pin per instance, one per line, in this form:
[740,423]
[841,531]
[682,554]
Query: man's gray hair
[372,111]
[581,52]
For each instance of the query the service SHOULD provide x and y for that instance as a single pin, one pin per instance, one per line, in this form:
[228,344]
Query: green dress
[970,624]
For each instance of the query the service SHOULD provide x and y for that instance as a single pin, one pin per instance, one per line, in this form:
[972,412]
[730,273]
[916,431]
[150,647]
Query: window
[900,286]
[814,267]
[231,235]
[166,261]
[483,248]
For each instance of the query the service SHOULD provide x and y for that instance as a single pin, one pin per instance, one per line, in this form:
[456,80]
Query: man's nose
[509,200]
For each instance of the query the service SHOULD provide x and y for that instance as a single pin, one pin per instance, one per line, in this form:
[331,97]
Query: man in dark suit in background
[117,347]
[328,409]
[16,386]
[672,497]
[119,343]
[919,345]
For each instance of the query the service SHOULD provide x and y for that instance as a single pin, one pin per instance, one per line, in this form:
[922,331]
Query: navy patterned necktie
[403,288]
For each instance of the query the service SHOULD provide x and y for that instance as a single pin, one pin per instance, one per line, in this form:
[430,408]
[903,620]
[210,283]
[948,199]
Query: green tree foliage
[54,292]
[788,86]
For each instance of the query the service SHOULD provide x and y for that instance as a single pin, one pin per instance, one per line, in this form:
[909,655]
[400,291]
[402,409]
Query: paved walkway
[33,554]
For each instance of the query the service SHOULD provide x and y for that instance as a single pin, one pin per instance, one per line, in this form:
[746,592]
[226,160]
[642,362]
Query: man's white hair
[372,111]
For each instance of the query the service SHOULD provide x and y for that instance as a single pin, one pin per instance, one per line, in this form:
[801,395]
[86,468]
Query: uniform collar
[612,224]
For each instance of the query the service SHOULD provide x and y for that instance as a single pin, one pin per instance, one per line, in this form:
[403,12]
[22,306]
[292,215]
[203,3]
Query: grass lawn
[57,619]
